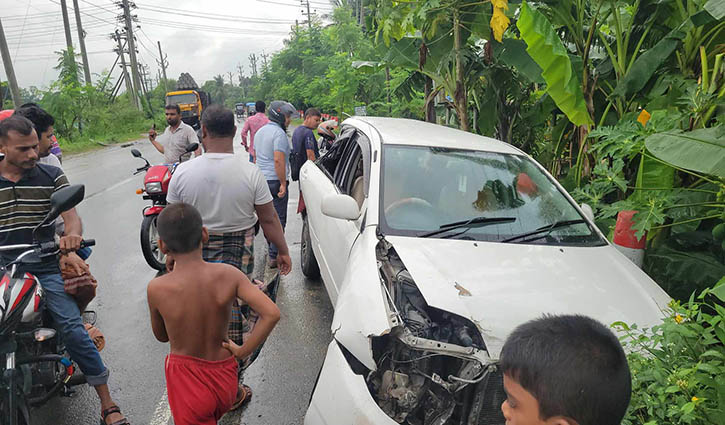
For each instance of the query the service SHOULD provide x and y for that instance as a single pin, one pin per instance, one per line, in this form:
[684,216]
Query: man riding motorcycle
[25,189]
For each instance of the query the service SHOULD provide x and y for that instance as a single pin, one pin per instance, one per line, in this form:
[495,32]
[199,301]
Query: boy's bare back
[194,304]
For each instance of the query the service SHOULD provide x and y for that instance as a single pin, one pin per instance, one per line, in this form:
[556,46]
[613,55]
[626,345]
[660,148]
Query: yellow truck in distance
[190,99]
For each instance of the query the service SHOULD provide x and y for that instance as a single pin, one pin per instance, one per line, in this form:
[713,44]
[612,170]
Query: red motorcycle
[156,186]
[36,365]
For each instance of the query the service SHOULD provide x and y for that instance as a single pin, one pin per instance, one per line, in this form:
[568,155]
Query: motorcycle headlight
[154,187]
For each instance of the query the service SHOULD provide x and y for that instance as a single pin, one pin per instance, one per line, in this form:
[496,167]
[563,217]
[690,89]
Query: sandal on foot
[244,395]
[111,410]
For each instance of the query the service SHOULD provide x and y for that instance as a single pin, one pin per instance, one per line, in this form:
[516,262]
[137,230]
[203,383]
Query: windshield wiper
[474,222]
[544,229]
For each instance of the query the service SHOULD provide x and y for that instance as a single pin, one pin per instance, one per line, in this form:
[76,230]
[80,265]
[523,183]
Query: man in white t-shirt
[230,193]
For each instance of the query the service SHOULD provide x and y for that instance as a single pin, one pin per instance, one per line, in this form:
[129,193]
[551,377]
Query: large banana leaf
[700,150]
[547,50]
[512,52]
[646,64]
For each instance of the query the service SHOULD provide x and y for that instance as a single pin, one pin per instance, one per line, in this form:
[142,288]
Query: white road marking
[162,414]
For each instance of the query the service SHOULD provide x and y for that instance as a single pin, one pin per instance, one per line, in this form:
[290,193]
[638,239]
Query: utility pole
[264,62]
[129,86]
[309,15]
[66,25]
[241,80]
[253,61]
[163,63]
[9,70]
[142,70]
[131,50]
[82,43]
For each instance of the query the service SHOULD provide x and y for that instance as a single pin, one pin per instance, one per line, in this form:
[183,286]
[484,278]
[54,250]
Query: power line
[101,7]
[215,17]
[210,28]
[88,14]
[22,31]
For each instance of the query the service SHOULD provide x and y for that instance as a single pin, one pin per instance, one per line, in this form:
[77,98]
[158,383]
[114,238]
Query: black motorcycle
[37,366]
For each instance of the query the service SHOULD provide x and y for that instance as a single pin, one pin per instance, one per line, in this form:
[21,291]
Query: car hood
[500,286]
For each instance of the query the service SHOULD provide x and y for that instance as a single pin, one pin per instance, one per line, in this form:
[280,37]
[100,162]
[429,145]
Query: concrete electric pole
[66,25]
[132,50]
[82,43]
[129,85]
[163,63]
[9,70]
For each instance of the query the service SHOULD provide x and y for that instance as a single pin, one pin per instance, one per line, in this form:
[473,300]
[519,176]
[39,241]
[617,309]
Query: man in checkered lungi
[231,194]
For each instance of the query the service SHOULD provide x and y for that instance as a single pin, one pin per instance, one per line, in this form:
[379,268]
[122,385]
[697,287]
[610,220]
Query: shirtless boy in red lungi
[190,308]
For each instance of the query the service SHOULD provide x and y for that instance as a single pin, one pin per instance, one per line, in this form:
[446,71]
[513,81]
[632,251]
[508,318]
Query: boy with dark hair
[564,370]
[190,308]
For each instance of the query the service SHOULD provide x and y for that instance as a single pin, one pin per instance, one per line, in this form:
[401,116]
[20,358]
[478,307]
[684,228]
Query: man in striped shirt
[25,190]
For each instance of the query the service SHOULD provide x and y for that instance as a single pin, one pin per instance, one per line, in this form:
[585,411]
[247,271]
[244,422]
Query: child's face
[521,408]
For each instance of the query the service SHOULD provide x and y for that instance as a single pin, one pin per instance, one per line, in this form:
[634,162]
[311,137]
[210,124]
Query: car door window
[334,157]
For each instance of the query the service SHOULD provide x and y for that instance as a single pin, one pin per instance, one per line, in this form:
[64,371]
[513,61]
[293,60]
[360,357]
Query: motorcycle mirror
[136,153]
[63,200]
[192,147]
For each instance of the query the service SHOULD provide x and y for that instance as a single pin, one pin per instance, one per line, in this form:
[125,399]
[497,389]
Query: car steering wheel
[411,212]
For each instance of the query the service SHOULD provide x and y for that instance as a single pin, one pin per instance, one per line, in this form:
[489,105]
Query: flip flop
[245,394]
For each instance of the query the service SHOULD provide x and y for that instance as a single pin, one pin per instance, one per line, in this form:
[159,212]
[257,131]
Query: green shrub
[678,367]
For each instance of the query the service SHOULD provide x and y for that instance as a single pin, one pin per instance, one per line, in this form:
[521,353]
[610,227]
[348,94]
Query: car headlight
[154,187]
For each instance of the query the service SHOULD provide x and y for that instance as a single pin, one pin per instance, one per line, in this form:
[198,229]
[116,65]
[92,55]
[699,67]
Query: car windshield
[479,195]
[181,98]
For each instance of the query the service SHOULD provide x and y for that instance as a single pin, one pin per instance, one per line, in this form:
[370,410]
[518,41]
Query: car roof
[402,131]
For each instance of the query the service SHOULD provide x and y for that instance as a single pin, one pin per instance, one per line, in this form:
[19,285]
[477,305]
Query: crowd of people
[558,370]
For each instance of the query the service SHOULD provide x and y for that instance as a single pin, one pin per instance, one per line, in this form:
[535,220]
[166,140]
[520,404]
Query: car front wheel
[310,268]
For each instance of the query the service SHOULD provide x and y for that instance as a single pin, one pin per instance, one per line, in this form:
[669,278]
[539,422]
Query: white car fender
[361,309]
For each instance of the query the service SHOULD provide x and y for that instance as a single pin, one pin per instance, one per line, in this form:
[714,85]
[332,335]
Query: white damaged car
[433,245]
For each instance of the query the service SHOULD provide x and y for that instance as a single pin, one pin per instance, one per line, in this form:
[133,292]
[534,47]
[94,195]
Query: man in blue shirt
[272,150]
[303,138]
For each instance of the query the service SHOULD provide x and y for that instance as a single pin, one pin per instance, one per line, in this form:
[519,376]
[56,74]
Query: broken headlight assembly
[433,367]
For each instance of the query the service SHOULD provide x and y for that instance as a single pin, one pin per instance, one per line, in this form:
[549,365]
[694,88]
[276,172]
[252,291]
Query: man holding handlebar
[25,190]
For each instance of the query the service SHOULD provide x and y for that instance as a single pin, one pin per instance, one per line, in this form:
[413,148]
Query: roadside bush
[678,366]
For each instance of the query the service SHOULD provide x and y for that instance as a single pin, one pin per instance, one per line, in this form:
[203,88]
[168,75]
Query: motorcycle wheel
[310,268]
[22,412]
[150,243]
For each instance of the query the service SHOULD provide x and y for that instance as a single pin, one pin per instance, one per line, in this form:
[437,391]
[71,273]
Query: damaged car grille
[432,368]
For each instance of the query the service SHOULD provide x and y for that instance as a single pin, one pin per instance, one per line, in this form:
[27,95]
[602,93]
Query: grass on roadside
[85,144]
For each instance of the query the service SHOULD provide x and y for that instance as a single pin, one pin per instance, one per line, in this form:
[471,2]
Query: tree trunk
[459,98]
[387,85]
[430,112]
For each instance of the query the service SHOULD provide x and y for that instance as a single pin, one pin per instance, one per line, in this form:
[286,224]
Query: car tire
[149,244]
[310,268]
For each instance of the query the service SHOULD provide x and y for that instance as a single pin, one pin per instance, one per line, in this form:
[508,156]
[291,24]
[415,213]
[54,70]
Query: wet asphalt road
[281,378]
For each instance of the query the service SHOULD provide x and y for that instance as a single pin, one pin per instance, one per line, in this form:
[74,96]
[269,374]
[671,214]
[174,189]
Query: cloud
[35,32]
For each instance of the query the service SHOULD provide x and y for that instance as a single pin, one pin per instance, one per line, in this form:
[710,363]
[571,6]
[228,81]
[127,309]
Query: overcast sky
[204,38]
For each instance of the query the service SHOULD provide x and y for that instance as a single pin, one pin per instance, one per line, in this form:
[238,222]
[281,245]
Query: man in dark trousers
[25,190]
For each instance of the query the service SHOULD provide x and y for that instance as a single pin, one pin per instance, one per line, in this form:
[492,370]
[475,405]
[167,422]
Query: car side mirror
[61,201]
[340,206]
[588,212]
[192,147]
[136,153]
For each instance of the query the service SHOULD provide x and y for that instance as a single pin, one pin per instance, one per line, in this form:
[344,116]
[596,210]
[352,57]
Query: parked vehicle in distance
[239,110]
[433,245]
